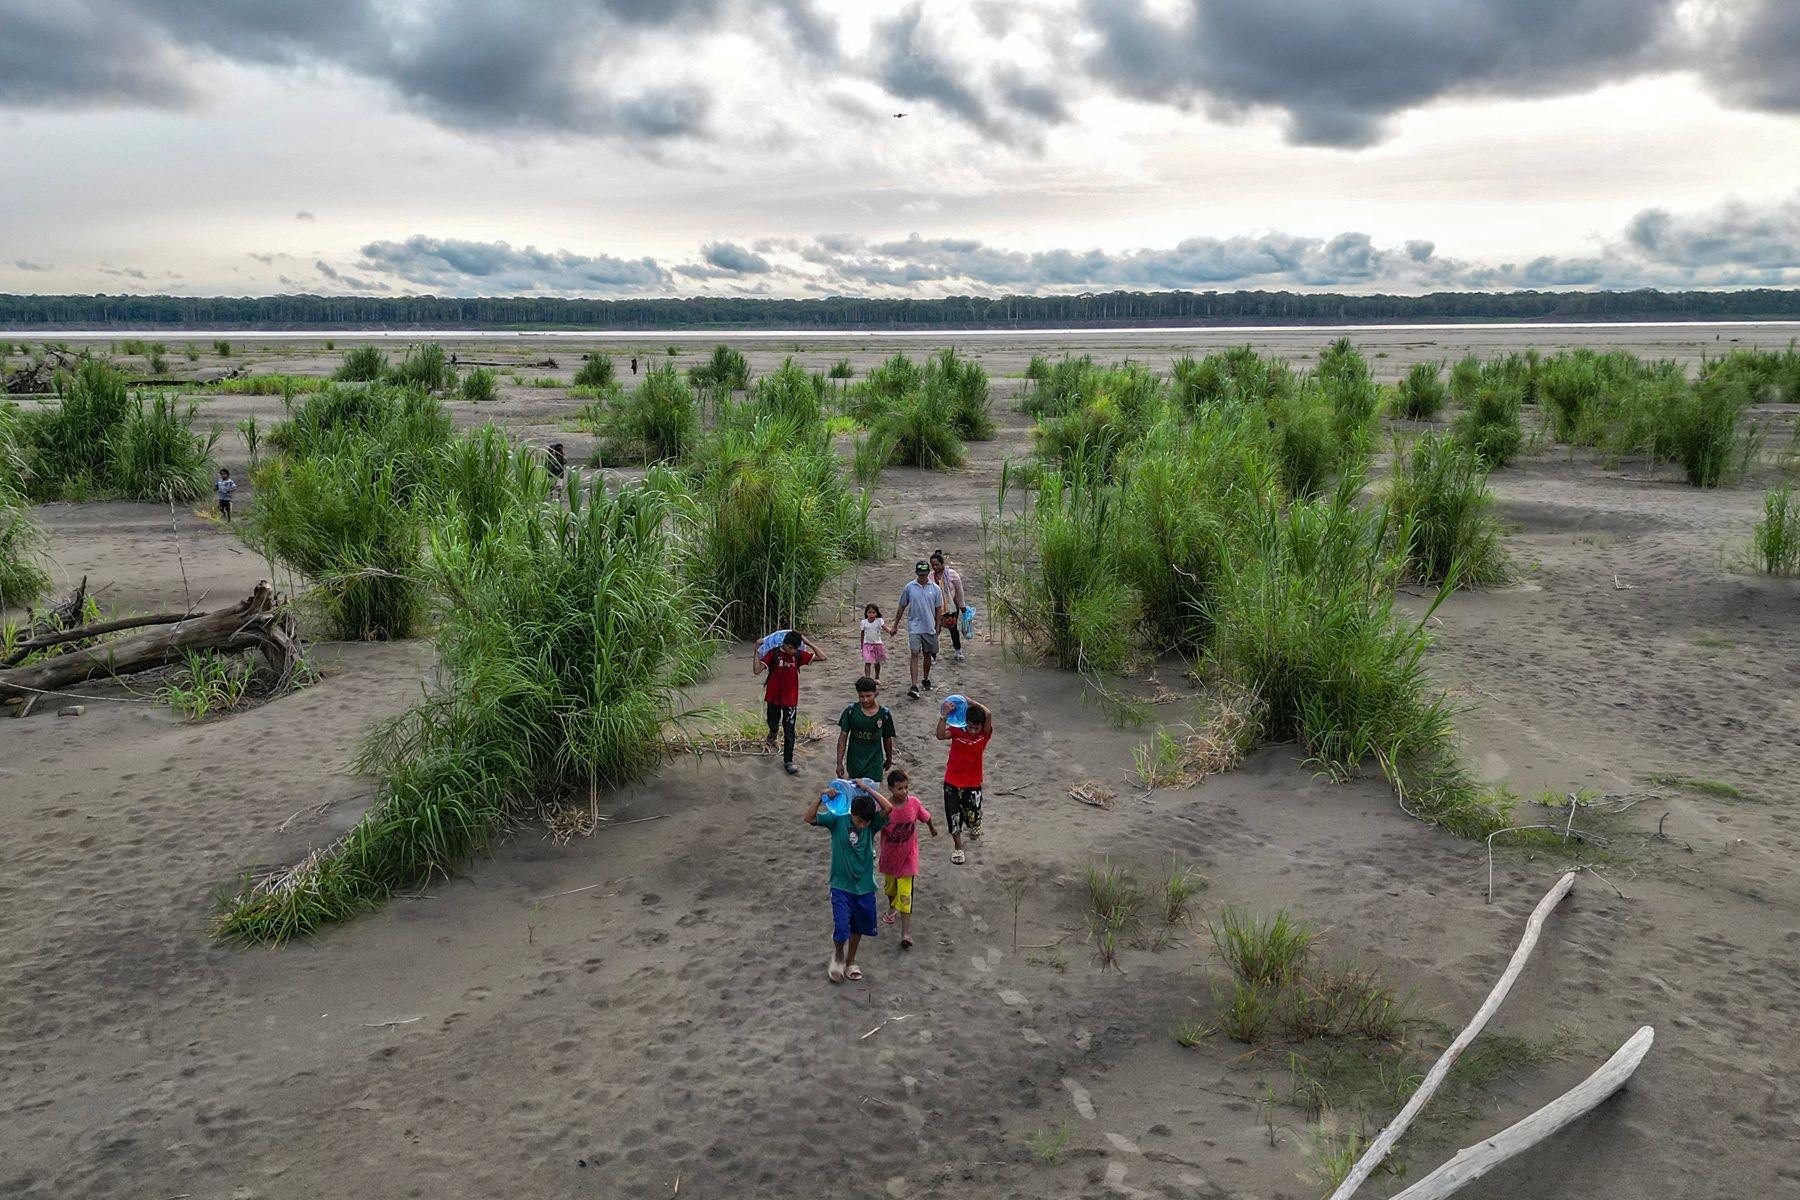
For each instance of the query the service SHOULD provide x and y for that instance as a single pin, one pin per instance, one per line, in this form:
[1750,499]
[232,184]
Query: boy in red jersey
[781,695]
[962,774]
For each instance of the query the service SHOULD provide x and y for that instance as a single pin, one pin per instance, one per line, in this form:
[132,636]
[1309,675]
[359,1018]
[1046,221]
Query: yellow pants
[899,893]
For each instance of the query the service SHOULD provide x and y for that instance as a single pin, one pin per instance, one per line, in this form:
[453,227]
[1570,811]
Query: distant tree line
[850,312]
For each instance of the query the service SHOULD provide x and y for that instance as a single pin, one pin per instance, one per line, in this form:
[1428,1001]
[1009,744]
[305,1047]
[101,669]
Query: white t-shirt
[871,632]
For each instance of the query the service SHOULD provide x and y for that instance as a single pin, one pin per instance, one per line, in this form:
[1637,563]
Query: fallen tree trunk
[1383,1145]
[1475,1161]
[257,622]
[42,641]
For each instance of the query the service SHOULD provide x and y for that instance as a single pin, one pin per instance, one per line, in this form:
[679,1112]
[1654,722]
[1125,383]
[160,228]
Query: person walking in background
[950,584]
[920,602]
[898,860]
[557,464]
[865,748]
[963,772]
[222,488]
[781,694]
[634,364]
[874,650]
[853,837]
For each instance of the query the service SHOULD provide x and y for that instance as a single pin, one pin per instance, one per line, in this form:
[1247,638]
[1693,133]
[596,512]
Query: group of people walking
[877,830]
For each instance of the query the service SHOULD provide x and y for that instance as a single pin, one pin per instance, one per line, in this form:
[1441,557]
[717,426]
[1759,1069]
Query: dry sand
[644,1012]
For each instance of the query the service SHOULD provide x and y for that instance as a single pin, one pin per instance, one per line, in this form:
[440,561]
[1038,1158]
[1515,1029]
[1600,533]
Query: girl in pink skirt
[874,650]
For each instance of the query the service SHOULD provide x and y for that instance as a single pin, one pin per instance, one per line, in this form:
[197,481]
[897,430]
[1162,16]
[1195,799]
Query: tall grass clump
[564,637]
[222,348]
[480,386]
[727,370]
[770,522]
[841,369]
[597,372]
[1465,377]
[156,455]
[789,393]
[965,382]
[345,520]
[362,364]
[1437,495]
[1060,385]
[423,366]
[1489,427]
[1421,395]
[22,576]
[102,439]
[657,421]
[1703,430]
[1775,543]
[1306,619]
[919,430]
[1771,376]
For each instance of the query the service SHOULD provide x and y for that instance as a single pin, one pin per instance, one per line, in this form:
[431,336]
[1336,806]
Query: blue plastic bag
[773,640]
[968,620]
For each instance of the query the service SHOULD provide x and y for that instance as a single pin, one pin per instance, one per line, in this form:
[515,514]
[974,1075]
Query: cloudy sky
[680,147]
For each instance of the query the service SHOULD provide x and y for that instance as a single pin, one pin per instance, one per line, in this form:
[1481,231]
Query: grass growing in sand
[1708,787]
[102,439]
[22,575]
[657,421]
[1775,543]
[564,635]
[480,386]
[1421,395]
[1437,490]
[362,364]
[207,683]
[1048,1144]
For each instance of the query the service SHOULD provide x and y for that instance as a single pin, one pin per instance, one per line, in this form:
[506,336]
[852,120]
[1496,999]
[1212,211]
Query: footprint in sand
[1084,1103]
[1013,999]
[1033,1037]
[1123,1143]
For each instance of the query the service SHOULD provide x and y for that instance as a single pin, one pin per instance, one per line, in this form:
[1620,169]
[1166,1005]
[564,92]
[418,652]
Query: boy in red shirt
[962,774]
[781,695]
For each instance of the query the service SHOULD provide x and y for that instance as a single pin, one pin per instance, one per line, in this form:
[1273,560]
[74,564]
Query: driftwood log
[1383,1145]
[259,622]
[1475,1161]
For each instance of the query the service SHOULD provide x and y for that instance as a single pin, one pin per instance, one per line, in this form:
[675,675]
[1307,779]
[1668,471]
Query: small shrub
[156,455]
[1776,540]
[657,421]
[1179,887]
[222,348]
[920,431]
[158,364]
[1705,431]
[597,372]
[1421,395]
[480,386]
[1465,377]
[362,364]
[672,350]
[1245,1010]
[789,393]
[841,369]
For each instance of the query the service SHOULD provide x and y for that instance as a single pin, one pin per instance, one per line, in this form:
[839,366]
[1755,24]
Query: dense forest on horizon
[1100,309]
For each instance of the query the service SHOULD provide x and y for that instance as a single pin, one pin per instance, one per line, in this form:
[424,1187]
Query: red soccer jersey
[784,675]
[964,768]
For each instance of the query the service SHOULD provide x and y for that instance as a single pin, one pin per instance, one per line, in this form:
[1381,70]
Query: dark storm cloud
[728,256]
[1340,68]
[912,64]
[496,268]
[1756,63]
[350,281]
[485,65]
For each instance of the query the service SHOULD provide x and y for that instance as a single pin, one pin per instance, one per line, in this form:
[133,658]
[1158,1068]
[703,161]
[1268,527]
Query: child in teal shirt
[853,838]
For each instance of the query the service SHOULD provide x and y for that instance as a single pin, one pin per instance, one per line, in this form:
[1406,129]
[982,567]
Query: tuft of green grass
[1489,427]
[206,684]
[1245,1010]
[657,421]
[1048,1144]
[222,348]
[1262,953]
[1708,787]
[1180,886]
[842,369]
[1715,643]
[598,371]
[1190,1033]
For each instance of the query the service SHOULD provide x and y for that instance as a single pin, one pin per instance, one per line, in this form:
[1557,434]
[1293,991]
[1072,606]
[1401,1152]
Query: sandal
[853,973]
[835,972]
[956,856]
[906,943]
[890,918]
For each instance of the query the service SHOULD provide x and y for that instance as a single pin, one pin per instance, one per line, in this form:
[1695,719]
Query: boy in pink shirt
[898,860]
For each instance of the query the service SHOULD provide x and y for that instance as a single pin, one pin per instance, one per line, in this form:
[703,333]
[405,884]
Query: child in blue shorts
[853,838]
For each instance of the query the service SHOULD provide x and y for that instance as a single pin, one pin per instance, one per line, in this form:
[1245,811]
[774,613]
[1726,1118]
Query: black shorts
[962,808]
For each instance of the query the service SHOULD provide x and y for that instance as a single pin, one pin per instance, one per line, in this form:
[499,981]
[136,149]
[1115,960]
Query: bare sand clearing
[644,1012]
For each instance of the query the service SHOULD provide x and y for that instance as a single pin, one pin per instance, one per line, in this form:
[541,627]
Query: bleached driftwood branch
[1383,1145]
[1472,1163]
